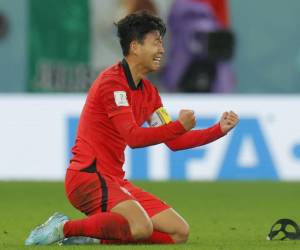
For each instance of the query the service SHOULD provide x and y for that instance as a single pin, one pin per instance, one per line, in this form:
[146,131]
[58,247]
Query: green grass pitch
[222,215]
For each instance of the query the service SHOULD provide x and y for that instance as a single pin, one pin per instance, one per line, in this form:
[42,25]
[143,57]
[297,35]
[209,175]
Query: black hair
[135,26]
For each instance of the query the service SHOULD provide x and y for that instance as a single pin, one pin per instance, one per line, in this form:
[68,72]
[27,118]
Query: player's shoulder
[111,77]
[113,73]
[149,86]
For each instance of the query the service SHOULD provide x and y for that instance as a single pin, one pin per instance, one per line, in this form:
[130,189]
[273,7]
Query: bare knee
[140,224]
[141,231]
[182,234]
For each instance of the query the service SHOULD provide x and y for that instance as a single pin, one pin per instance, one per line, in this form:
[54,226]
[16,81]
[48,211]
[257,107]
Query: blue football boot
[49,232]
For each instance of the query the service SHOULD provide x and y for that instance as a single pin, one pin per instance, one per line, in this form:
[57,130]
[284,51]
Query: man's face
[150,51]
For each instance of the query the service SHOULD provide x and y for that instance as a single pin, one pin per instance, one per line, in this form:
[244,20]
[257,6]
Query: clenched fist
[228,121]
[187,119]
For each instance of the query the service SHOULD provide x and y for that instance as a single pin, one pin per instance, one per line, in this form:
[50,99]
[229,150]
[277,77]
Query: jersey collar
[129,76]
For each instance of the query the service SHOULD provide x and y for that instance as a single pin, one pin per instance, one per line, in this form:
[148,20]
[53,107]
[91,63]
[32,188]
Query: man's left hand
[228,121]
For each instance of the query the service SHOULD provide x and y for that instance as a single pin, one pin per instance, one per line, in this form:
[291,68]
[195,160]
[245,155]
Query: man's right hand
[187,119]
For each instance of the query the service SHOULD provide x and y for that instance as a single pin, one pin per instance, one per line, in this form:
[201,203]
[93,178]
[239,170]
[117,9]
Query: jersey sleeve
[116,103]
[190,139]
[115,98]
[196,138]
[136,136]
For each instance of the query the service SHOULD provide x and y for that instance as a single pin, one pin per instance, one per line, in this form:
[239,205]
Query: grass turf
[222,215]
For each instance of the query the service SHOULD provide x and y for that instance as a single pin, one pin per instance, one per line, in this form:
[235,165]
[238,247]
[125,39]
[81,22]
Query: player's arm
[116,101]
[136,136]
[198,137]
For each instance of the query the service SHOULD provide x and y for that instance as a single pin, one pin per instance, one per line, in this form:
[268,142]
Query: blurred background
[220,55]
[60,46]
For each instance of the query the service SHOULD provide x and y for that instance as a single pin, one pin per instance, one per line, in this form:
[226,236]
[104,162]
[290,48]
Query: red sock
[157,237]
[110,226]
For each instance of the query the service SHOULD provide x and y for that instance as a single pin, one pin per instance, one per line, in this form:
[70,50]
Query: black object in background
[200,74]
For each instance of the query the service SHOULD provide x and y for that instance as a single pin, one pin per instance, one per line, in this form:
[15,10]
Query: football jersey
[112,94]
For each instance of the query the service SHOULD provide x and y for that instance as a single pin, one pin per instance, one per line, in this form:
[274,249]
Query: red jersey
[115,109]
[111,118]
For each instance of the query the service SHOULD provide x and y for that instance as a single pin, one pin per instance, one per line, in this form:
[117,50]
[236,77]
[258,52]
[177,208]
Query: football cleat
[80,240]
[49,232]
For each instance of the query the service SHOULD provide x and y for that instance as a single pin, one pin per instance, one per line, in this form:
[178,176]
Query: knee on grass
[182,234]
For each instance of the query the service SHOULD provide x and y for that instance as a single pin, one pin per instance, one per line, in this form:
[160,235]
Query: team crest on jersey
[121,98]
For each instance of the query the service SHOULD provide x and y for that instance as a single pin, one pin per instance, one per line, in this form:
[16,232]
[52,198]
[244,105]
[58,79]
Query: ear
[134,47]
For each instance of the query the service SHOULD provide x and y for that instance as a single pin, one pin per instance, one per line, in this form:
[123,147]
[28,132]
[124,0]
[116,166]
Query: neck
[138,72]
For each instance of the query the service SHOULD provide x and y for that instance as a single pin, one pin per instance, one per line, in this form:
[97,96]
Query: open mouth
[157,60]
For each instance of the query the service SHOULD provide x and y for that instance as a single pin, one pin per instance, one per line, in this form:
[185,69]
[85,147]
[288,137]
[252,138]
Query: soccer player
[118,103]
